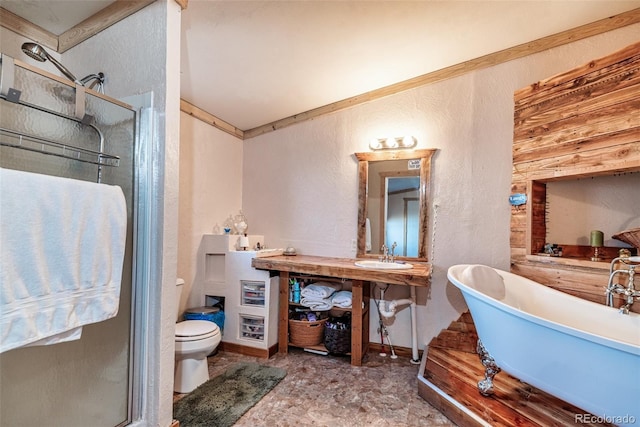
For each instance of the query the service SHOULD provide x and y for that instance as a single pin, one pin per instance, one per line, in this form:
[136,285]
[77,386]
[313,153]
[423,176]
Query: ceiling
[251,63]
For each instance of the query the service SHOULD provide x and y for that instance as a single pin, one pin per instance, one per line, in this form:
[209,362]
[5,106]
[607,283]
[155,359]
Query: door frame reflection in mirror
[425,156]
[395,219]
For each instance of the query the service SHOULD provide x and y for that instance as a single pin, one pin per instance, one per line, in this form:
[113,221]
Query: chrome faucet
[629,292]
[385,253]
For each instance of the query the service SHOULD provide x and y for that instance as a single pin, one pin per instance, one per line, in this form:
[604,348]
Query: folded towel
[320,289]
[341,299]
[61,257]
[316,303]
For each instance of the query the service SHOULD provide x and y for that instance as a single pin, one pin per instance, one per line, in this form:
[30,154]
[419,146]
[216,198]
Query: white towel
[367,235]
[341,299]
[320,290]
[316,303]
[62,244]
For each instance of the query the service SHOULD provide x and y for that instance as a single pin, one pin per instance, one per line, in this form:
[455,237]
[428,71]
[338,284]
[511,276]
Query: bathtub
[584,353]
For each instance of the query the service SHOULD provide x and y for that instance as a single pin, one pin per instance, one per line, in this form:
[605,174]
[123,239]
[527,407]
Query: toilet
[195,340]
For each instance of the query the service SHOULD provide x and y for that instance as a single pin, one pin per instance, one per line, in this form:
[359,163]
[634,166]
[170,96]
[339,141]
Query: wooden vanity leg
[357,329]
[283,313]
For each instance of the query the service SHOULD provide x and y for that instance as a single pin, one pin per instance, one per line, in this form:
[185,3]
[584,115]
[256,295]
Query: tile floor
[328,391]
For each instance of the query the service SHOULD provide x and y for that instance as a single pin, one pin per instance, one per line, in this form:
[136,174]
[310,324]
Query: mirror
[393,194]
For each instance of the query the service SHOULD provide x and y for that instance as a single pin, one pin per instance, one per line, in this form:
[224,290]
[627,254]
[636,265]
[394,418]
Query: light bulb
[408,141]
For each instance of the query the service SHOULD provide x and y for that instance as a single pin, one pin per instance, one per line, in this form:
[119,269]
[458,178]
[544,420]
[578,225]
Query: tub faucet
[629,292]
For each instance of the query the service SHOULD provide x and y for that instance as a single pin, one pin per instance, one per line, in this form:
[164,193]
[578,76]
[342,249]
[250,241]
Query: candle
[597,238]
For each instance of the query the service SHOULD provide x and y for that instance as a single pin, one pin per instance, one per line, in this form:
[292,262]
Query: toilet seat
[195,330]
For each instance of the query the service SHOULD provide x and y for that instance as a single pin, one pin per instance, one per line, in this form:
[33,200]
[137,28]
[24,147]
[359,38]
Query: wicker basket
[303,333]
[337,341]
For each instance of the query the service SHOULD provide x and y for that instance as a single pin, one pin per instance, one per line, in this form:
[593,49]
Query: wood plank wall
[581,123]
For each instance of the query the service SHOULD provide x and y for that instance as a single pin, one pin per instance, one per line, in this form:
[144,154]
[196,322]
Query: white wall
[210,190]
[300,183]
[607,203]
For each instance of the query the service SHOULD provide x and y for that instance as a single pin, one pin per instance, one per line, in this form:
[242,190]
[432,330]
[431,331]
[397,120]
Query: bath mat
[222,400]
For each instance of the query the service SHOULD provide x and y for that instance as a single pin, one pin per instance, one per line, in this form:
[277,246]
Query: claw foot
[485,386]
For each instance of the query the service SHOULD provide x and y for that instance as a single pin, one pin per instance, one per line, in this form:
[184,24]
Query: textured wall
[210,190]
[610,204]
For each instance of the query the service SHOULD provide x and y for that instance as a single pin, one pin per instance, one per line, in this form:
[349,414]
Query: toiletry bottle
[296,292]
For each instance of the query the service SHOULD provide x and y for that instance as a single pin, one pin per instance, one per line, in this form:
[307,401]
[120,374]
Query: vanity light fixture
[393,143]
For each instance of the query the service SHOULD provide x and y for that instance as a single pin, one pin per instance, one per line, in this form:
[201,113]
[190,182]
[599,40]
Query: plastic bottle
[296,292]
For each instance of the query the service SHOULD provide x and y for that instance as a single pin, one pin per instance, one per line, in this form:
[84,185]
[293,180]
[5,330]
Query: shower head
[37,52]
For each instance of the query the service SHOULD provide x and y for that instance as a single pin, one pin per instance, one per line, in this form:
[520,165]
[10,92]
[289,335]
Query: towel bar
[47,146]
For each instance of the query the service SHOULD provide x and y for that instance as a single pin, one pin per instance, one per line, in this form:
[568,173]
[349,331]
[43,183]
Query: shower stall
[51,126]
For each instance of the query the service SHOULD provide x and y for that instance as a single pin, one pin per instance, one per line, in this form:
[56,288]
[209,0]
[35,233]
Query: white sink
[379,265]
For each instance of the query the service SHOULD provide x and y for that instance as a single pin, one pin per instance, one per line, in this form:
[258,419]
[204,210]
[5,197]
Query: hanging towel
[367,233]
[341,299]
[62,244]
[320,290]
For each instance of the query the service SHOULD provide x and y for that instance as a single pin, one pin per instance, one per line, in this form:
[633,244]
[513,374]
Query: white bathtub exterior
[584,353]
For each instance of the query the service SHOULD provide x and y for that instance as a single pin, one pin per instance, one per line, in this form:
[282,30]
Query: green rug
[222,400]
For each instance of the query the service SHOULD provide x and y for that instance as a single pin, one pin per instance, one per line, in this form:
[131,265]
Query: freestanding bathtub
[584,353]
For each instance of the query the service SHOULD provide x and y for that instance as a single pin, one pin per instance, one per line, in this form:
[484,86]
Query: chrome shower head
[37,52]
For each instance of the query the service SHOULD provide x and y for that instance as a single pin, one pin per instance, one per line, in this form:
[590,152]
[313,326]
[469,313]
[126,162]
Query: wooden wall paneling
[576,103]
[577,124]
[535,92]
[578,133]
[586,283]
[596,142]
[537,217]
[617,159]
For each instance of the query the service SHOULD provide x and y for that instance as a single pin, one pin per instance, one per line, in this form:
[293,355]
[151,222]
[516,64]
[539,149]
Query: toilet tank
[179,287]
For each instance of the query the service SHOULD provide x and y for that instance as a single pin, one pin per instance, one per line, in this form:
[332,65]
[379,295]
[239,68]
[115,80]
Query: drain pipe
[388,309]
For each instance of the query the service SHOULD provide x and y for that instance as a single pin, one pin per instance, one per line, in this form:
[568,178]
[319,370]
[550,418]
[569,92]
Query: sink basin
[378,265]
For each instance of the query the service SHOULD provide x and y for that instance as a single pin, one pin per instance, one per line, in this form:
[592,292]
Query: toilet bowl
[194,341]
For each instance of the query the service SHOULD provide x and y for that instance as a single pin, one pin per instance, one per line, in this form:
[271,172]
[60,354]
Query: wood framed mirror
[393,202]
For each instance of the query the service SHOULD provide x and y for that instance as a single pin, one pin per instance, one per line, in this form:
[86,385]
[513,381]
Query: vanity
[344,269]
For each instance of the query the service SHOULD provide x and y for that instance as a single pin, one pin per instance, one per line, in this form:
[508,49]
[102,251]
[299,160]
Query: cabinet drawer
[252,327]
[253,293]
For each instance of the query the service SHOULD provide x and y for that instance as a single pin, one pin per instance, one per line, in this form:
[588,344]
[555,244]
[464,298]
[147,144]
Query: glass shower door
[85,382]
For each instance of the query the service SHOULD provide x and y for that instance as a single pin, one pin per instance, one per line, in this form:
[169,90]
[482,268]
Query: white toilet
[195,340]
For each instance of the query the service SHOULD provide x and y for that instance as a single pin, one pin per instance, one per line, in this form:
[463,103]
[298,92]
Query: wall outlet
[354,245]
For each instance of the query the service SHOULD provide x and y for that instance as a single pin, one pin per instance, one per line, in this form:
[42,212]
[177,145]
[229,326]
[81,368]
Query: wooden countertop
[345,268]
